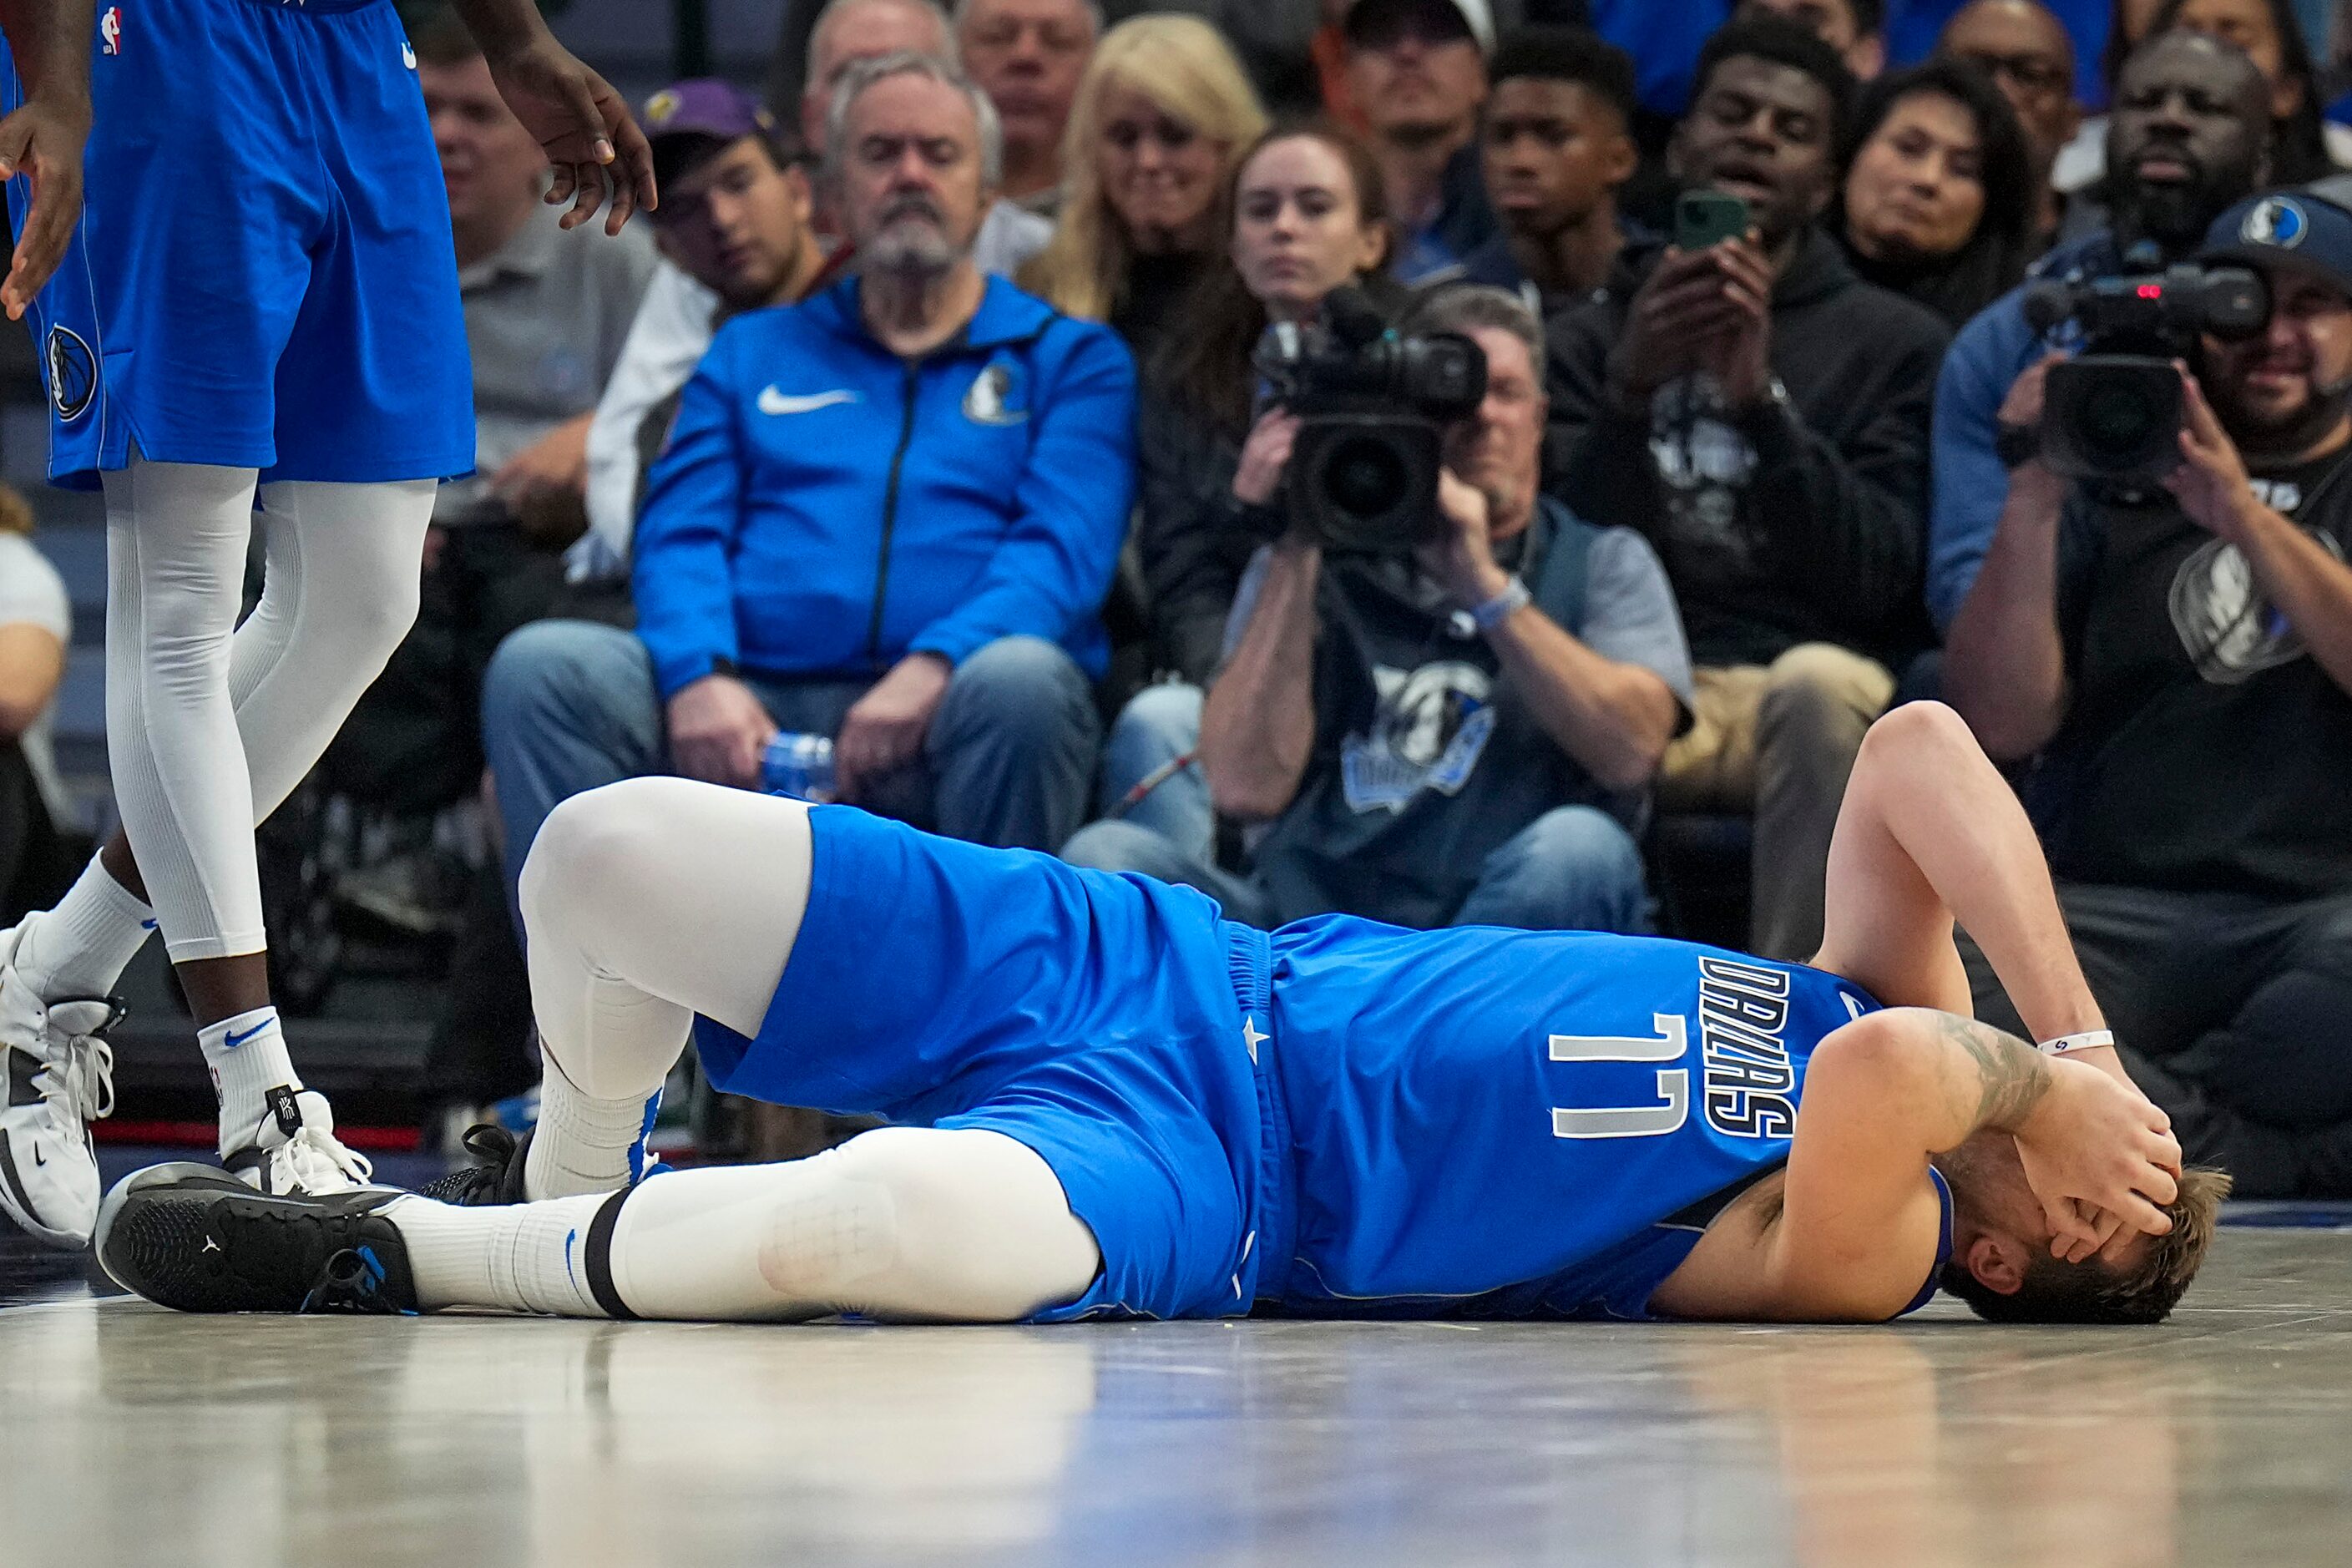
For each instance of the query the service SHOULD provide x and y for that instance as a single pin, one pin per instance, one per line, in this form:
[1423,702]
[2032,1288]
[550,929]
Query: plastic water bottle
[798,765]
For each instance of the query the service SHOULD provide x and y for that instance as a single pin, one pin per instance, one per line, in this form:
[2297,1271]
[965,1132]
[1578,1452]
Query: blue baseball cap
[2306,228]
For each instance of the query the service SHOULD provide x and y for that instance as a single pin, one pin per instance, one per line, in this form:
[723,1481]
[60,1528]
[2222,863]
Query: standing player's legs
[339,584]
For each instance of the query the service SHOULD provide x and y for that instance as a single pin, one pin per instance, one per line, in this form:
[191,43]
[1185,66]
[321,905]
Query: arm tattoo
[2011,1075]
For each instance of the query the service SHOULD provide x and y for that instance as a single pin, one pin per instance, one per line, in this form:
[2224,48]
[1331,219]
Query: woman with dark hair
[1937,197]
[1310,215]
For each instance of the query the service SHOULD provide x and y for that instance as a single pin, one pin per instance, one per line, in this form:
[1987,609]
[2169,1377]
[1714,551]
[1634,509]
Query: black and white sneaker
[496,1179]
[197,1240]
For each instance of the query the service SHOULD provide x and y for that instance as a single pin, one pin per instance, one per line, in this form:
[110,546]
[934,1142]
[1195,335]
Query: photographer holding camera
[1451,727]
[2175,646]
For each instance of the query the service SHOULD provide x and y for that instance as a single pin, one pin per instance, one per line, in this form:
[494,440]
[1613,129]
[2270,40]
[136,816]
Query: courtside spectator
[1760,415]
[1417,69]
[1028,56]
[2304,146]
[1938,200]
[735,234]
[2309,149]
[1556,143]
[2186,136]
[36,624]
[1460,736]
[1856,29]
[673,329]
[2180,660]
[1309,214]
[1160,119]
[2026,50]
[886,515]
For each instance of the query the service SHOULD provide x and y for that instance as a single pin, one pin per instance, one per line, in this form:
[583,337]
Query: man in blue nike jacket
[888,514]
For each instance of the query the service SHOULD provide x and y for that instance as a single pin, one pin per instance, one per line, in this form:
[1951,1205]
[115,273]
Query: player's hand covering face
[586,130]
[2094,1152]
[42,141]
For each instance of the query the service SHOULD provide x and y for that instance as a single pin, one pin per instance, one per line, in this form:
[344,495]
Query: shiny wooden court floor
[131,1436]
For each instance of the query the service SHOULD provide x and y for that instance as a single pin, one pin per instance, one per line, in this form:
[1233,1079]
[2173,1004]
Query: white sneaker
[60,1078]
[295,1151]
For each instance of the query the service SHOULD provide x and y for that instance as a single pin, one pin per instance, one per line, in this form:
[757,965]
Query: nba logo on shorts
[110,31]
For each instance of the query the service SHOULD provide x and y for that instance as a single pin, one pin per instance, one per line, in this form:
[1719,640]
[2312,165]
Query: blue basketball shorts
[263,276]
[1112,1024]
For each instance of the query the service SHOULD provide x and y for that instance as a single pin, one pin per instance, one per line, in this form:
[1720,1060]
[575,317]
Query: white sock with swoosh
[525,1258]
[247,1058]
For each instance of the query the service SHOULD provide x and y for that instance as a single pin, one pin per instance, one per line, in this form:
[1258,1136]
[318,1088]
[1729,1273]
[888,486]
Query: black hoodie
[1789,523]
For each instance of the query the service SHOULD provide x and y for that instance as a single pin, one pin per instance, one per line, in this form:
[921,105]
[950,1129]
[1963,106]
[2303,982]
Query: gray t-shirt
[1425,760]
[32,594]
[545,316]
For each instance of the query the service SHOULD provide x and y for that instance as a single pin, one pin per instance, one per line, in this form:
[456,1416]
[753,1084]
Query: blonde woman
[1161,114]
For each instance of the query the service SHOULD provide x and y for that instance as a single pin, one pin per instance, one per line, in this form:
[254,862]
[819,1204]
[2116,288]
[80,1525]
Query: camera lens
[1364,475]
[2119,417]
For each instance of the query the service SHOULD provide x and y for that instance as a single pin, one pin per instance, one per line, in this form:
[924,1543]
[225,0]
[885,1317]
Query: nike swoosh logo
[773,401]
[39,1158]
[569,1238]
[231,1040]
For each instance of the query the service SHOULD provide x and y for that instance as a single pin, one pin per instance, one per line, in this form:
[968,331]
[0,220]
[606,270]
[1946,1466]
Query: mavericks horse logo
[73,373]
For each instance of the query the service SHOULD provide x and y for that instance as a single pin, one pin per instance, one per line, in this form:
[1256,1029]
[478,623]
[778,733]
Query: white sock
[247,1058]
[585,1143]
[82,947]
[525,1258]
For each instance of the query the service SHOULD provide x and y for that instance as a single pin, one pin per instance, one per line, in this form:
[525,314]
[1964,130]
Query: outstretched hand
[2100,1158]
[585,128]
[42,142]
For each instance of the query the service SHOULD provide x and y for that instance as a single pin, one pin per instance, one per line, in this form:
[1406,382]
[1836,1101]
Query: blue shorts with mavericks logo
[263,276]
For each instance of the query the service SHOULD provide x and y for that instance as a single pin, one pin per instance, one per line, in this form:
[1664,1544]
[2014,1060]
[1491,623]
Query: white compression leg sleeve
[647,903]
[342,566]
[176,535]
[903,1224]
[339,584]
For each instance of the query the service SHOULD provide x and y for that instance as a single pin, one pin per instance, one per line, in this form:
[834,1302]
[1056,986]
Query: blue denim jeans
[568,706]
[1573,868]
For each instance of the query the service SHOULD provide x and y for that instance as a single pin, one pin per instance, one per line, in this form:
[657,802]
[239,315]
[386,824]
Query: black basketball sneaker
[197,1240]
[496,1179]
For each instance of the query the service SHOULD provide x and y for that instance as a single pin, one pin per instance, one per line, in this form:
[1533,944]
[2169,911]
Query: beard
[910,235]
[2176,216]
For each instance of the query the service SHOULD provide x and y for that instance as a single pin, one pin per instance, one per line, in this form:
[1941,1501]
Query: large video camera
[2112,413]
[1373,407]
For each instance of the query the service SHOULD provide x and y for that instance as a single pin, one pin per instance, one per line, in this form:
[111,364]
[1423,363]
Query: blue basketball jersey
[1506,1122]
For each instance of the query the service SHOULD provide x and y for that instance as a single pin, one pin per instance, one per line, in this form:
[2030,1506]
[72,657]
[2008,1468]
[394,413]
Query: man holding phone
[1761,413]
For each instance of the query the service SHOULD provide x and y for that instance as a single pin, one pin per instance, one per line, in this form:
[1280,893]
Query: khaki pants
[1779,741]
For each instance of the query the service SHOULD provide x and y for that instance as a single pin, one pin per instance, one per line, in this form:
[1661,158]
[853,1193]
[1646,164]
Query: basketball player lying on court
[1131,1106]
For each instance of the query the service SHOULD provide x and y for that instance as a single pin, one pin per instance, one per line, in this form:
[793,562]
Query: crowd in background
[937,414]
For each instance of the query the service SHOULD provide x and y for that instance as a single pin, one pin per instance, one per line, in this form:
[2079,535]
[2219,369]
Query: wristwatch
[1514,598]
[2016,445]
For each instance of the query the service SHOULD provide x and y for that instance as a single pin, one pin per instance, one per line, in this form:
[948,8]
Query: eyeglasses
[2036,74]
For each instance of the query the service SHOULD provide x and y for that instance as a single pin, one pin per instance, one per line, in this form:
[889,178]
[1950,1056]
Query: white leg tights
[906,1224]
[209,731]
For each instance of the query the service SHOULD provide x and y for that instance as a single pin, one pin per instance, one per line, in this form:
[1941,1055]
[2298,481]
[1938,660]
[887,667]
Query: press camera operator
[2175,648]
[1453,724]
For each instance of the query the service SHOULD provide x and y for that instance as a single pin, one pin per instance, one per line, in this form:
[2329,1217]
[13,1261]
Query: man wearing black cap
[1417,69]
[2179,661]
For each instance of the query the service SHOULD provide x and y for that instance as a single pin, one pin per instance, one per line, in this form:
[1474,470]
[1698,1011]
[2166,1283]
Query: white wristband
[1514,598]
[2088,1041]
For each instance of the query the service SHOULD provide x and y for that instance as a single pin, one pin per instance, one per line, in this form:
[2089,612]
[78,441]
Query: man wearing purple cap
[2176,662]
